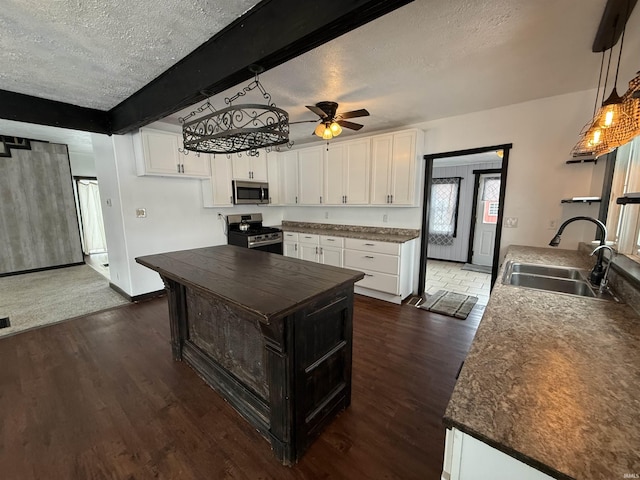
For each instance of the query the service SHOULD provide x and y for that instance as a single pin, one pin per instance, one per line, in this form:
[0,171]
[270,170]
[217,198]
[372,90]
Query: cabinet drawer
[380,281]
[329,241]
[378,262]
[309,238]
[372,246]
[290,236]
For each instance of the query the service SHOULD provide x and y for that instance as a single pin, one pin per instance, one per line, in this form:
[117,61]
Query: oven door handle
[267,242]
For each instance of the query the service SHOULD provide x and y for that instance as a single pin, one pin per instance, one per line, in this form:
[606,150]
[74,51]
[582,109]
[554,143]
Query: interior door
[484,235]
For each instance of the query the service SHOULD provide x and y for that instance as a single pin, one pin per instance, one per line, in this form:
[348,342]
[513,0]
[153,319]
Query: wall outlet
[385,218]
[326,215]
[511,222]
[553,224]
[141,212]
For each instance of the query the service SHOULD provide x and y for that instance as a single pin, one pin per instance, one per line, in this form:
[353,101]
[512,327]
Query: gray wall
[38,223]
[459,250]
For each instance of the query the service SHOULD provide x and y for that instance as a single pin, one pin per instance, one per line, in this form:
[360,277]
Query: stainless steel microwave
[250,192]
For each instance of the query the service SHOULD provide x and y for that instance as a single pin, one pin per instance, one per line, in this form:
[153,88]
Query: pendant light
[611,112]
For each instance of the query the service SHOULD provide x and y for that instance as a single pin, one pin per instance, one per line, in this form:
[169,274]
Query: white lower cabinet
[467,458]
[308,247]
[331,252]
[290,244]
[388,267]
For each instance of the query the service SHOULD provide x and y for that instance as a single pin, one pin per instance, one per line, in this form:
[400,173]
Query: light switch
[511,222]
[141,212]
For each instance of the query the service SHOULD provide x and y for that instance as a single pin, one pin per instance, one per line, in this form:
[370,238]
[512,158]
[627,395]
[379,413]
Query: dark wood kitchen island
[271,334]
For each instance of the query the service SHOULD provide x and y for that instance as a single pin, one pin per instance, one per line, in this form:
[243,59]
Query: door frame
[474,208]
[428,175]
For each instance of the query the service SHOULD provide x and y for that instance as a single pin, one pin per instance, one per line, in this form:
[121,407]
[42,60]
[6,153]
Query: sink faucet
[597,273]
[605,279]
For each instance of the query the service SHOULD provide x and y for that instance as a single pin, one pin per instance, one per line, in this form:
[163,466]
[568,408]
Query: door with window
[484,235]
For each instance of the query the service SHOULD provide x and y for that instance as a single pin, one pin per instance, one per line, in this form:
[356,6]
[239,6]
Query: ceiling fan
[331,122]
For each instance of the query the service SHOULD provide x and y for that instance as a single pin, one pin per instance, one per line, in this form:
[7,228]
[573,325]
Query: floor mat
[476,268]
[449,303]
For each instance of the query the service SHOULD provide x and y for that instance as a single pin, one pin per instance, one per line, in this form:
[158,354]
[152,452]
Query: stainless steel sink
[548,270]
[553,278]
[563,285]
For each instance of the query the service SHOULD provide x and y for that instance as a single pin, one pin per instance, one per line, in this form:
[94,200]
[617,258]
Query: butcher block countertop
[554,380]
[266,284]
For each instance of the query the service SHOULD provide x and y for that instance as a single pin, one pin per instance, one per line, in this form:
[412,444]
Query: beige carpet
[42,298]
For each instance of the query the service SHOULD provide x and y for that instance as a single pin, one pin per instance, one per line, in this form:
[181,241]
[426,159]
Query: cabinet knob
[370,244]
[368,256]
[391,198]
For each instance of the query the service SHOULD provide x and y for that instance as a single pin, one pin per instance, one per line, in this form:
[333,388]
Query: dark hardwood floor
[101,398]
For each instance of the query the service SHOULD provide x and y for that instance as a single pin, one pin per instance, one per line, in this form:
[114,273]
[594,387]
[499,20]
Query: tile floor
[449,276]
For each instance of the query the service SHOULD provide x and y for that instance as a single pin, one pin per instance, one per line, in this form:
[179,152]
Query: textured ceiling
[427,60]
[97,53]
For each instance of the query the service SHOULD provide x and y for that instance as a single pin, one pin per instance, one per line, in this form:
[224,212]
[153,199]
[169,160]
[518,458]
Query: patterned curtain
[443,217]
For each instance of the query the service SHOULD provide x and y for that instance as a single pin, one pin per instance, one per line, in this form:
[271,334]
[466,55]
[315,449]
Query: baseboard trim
[138,298]
[41,269]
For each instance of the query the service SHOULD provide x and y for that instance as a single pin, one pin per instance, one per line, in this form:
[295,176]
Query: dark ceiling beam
[614,19]
[29,109]
[271,33]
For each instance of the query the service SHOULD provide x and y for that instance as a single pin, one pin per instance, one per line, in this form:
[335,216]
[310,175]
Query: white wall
[175,217]
[82,164]
[542,132]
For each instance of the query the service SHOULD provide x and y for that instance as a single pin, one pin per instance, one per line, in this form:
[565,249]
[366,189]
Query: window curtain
[93,236]
[443,218]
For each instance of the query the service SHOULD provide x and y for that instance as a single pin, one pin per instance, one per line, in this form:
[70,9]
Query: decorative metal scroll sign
[236,128]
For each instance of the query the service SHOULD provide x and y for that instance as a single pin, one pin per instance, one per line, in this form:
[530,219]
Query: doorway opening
[92,234]
[460,246]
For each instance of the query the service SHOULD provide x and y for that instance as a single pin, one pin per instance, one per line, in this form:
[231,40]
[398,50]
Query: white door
[331,256]
[308,251]
[484,235]
[290,249]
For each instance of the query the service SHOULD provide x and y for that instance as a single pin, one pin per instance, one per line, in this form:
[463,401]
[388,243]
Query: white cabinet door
[403,169]
[160,150]
[308,251]
[289,177]
[334,175]
[290,249]
[393,168]
[250,168]
[274,178]
[346,173]
[310,172]
[241,167]
[381,158]
[259,167]
[356,172]
[331,256]
[217,190]
[194,165]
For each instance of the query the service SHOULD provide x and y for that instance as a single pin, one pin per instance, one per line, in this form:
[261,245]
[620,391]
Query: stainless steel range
[246,230]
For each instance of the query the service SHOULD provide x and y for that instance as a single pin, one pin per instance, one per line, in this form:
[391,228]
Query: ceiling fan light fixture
[327,134]
[336,129]
[320,130]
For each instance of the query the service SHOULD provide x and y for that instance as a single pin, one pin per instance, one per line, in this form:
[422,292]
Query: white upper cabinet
[393,168]
[274,178]
[346,174]
[310,173]
[288,164]
[156,153]
[250,168]
[217,191]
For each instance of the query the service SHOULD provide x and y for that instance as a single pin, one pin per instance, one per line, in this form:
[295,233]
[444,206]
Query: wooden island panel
[271,334]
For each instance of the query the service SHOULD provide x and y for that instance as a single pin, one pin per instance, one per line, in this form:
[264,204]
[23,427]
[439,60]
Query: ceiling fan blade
[351,125]
[317,110]
[355,113]
[303,121]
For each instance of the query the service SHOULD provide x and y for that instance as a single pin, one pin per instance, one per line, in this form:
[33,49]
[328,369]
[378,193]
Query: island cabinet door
[323,345]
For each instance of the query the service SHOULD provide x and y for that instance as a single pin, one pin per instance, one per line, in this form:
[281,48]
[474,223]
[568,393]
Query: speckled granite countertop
[553,379]
[379,234]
